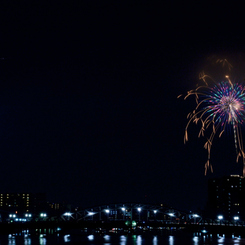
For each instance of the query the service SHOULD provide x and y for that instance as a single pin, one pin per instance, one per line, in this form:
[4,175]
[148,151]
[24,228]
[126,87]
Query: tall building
[226,198]
[23,202]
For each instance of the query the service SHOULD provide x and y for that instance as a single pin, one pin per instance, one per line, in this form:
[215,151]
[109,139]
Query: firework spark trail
[218,106]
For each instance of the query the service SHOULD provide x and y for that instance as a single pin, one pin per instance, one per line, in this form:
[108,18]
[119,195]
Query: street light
[139,210]
[123,209]
[155,212]
[107,212]
[195,216]
[236,218]
[43,215]
[171,216]
[68,214]
[220,217]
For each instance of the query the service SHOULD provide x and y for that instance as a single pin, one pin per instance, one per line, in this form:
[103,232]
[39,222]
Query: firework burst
[217,107]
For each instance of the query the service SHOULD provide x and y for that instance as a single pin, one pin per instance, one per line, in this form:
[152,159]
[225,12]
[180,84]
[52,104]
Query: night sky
[88,99]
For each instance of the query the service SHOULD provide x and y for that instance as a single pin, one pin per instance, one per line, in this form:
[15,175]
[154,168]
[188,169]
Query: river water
[176,238]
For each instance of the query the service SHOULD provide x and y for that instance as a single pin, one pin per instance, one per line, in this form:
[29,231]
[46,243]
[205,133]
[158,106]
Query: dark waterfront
[168,237]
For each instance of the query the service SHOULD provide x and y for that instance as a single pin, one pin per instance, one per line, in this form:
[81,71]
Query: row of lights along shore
[26,217]
[221,217]
[107,211]
[124,209]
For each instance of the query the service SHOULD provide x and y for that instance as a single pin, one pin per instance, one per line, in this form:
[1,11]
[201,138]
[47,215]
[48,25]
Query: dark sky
[88,99]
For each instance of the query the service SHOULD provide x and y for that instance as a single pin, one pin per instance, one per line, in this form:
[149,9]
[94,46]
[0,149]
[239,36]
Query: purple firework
[219,106]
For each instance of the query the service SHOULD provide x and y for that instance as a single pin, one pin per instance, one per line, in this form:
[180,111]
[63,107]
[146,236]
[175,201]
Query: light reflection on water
[91,237]
[173,239]
[221,239]
[11,239]
[42,239]
[154,240]
[107,238]
[123,240]
[195,240]
[139,240]
[67,238]
[27,241]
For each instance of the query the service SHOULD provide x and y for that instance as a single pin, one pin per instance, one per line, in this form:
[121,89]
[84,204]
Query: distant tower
[226,197]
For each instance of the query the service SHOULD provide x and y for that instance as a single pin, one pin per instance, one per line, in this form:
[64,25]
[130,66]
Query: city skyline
[88,100]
